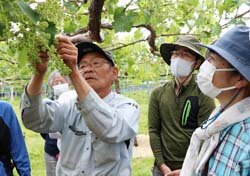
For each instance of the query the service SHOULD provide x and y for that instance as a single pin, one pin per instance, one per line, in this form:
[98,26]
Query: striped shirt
[232,156]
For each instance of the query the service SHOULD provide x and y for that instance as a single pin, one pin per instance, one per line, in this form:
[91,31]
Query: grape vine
[28,31]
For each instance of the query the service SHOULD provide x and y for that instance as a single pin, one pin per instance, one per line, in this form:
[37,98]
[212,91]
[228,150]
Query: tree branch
[78,1]
[85,30]
[9,61]
[94,24]
[107,26]
[151,38]
[84,35]
[237,16]
[176,34]
[79,31]
[80,38]
[125,8]
[128,44]
[155,52]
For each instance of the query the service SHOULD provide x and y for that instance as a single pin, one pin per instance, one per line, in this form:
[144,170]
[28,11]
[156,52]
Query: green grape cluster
[26,38]
[57,63]
[52,10]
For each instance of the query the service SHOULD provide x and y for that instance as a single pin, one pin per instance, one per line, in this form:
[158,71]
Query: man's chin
[91,81]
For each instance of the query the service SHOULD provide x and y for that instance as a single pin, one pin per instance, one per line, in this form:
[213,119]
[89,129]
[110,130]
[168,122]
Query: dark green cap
[187,41]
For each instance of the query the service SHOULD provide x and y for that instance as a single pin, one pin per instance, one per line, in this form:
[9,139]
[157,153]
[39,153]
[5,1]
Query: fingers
[174,173]
[68,53]
[64,42]
[63,39]
[68,58]
[165,169]
[44,56]
[65,51]
[66,47]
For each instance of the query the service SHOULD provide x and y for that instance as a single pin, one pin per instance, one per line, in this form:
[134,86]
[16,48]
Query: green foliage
[1,29]
[69,26]
[123,20]
[30,13]
[139,66]
[29,31]
[205,19]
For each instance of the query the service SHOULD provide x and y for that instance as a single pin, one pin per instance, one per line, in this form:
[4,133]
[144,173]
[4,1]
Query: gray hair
[54,74]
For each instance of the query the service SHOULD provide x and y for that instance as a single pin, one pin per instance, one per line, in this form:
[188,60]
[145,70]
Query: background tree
[132,29]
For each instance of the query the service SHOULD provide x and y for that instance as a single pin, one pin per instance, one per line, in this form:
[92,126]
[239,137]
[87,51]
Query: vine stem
[62,21]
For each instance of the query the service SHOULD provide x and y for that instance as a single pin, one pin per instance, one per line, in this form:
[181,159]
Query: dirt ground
[143,149]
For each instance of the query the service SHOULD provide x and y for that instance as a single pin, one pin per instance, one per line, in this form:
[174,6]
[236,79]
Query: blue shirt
[12,145]
[2,171]
[232,157]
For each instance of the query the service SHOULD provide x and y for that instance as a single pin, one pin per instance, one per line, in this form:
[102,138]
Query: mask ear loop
[208,122]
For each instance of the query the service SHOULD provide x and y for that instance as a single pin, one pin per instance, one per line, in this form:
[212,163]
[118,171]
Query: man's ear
[115,73]
[242,82]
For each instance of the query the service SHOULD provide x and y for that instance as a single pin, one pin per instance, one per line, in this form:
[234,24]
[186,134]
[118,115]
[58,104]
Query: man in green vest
[178,107]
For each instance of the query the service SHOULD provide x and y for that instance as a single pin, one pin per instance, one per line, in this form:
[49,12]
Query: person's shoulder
[68,95]
[166,85]
[5,106]
[246,124]
[6,111]
[161,89]
[244,127]
[122,99]
[242,130]
[70,92]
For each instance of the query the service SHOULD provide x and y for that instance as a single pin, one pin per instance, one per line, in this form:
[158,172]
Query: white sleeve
[111,124]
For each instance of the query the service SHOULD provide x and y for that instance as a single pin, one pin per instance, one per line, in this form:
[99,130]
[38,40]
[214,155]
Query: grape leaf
[71,7]
[51,29]
[28,11]
[122,21]
[69,26]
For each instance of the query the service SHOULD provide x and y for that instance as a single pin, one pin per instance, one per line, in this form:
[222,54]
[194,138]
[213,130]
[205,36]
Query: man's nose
[88,69]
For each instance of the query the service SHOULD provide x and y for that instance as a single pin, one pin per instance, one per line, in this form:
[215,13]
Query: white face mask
[60,88]
[205,78]
[180,67]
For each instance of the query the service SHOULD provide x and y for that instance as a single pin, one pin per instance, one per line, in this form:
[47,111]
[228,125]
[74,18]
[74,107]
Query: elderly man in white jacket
[98,126]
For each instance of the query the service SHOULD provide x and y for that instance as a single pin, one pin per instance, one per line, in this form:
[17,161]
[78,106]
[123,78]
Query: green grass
[142,166]
[142,98]
[35,143]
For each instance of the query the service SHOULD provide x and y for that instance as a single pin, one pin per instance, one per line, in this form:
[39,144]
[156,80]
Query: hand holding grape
[68,52]
[42,66]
